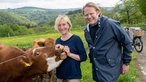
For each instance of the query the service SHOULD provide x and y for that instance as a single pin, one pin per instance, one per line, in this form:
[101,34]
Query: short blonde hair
[60,17]
[91,4]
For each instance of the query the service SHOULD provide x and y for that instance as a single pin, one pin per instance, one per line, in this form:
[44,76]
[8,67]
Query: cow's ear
[41,44]
[25,62]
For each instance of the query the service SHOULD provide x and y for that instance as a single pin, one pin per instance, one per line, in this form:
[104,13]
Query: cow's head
[48,51]
[49,42]
[38,43]
[56,51]
[47,47]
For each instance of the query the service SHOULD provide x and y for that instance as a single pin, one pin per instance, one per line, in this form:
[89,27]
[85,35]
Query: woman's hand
[71,55]
[67,49]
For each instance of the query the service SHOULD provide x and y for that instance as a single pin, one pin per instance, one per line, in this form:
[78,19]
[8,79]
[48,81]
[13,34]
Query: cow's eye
[37,53]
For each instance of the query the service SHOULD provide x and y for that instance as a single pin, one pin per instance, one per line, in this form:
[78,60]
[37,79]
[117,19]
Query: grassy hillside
[35,14]
[7,18]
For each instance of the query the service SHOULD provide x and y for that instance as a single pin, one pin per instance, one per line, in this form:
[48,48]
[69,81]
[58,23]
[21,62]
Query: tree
[142,6]
[129,12]
[5,30]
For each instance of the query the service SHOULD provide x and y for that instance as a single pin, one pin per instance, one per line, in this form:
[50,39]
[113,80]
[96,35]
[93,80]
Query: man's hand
[124,69]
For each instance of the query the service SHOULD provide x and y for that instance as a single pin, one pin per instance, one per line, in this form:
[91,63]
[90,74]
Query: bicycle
[136,34]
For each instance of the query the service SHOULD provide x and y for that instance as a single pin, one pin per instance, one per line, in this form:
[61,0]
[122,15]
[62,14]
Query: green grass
[26,41]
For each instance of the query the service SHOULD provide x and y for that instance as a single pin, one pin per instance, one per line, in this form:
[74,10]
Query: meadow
[26,41]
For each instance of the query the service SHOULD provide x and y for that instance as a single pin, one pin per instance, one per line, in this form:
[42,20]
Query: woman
[69,70]
[110,46]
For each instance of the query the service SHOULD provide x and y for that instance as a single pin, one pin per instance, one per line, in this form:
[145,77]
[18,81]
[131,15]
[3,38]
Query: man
[110,46]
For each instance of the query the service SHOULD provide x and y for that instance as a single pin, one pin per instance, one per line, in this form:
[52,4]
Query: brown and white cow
[42,42]
[19,66]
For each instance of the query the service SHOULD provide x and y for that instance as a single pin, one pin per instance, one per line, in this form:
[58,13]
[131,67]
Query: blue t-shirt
[70,68]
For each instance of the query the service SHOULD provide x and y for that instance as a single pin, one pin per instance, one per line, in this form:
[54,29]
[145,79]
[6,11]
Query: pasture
[26,41]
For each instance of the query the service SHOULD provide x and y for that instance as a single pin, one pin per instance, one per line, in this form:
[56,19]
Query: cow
[42,42]
[18,66]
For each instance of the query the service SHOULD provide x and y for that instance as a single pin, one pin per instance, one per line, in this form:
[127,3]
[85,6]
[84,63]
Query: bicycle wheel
[138,44]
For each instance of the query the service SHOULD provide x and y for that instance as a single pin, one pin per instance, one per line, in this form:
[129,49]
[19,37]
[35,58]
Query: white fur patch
[52,64]
[36,49]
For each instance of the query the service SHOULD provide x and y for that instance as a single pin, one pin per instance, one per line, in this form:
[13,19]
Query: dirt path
[141,62]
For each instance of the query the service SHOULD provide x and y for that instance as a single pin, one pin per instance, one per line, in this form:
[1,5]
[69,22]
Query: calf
[19,66]
[48,43]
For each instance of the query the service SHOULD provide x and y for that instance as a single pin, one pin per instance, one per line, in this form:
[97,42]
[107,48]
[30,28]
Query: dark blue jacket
[70,68]
[112,46]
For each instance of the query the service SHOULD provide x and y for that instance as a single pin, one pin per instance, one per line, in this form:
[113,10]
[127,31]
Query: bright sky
[54,4]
